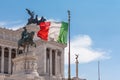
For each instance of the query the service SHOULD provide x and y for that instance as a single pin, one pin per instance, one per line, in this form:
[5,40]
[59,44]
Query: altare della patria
[24,56]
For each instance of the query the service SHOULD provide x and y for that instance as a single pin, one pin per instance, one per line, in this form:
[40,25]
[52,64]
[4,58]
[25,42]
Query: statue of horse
[26,42]
[33,20]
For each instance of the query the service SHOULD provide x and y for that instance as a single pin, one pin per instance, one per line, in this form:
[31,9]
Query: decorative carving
[34,65]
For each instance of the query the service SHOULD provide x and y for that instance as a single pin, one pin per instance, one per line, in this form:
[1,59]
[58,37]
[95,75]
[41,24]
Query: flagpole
[69,72]
[98,70]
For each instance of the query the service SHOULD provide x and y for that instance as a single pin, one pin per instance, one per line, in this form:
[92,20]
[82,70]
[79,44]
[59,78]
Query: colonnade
[6,55]
[54,62]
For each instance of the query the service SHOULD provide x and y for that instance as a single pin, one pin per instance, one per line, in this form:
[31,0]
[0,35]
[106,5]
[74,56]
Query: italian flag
[53,30]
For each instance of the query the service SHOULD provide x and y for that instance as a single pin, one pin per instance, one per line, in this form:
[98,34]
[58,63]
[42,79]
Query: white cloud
[50,19]
[2,24]
[12,24]
[53,20]
[82,45]
[15,27]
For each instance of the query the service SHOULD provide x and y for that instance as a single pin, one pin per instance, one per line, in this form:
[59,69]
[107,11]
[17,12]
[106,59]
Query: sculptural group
[27,37]
[33,20]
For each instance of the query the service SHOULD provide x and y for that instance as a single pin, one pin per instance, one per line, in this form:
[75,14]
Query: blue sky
[95,30]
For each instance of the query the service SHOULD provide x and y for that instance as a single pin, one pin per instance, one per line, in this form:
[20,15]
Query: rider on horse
[26,39]
[24,34]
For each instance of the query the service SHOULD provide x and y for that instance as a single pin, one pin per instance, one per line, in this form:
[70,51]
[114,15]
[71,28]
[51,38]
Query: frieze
[8,43]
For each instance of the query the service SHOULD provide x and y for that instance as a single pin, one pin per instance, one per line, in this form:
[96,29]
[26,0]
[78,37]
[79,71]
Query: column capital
[2,47]
[10,48]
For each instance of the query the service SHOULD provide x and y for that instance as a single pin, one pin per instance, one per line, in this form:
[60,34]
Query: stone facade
[45,62]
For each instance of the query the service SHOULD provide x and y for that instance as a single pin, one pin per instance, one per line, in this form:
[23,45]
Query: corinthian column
[50,62]
[56,65]
[2,61]
[76,65]
[62,62]
[9,62]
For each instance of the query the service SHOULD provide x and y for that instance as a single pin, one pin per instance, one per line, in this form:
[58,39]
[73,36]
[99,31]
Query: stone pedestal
[2,76]
[25,67]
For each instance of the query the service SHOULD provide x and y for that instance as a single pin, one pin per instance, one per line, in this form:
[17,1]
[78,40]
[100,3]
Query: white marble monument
[45,62]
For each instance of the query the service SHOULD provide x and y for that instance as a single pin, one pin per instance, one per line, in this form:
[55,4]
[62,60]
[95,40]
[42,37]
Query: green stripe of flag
[63,33]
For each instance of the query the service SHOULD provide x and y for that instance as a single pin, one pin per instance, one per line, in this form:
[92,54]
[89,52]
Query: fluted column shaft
[50,62]
[9,63]
[2,61]
[56,66]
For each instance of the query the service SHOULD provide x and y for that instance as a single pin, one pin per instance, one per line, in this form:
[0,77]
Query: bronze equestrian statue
[26,40]
[34,20]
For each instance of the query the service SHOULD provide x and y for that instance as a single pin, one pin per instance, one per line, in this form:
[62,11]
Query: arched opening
[6,55]
[53,62]
[47,60]
[13,55]
[59,62]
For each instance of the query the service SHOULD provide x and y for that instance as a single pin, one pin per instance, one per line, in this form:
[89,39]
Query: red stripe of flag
[44,29]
